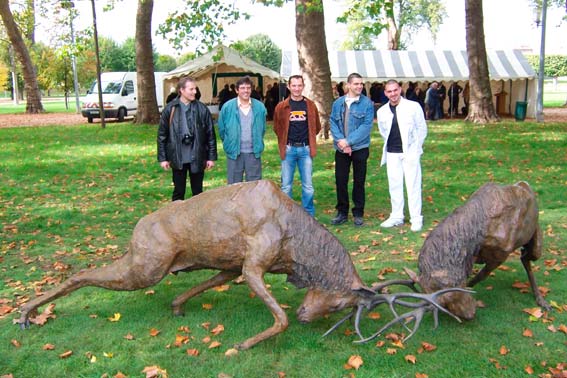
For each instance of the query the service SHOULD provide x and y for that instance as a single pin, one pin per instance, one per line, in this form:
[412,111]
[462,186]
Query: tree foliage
[48,66]
[4,76]
[186,57]
[201,22]
[164,63]
[261,49]
[401,18]
[554,65]
[355,40]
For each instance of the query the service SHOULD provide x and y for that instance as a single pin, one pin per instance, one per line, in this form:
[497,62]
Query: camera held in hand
[187,139]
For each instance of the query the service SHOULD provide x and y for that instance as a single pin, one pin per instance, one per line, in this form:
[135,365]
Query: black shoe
[358,221]
[339,219]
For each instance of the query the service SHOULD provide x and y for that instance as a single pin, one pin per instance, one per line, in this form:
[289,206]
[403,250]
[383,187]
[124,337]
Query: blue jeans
[299,156]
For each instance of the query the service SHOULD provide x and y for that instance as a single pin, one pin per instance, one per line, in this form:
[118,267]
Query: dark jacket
[281,125]
[169,137]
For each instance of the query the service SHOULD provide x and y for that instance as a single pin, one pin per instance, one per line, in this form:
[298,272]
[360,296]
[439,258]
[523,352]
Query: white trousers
[402,167]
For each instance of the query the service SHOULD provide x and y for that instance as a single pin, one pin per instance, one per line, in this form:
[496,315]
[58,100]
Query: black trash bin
[521,110]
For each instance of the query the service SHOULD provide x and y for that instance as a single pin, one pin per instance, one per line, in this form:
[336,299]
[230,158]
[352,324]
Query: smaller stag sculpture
[249,229]
[493,223]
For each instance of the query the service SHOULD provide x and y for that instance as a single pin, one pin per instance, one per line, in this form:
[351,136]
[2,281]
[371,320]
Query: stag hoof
[25,324]
[178,311]
[544,305]
[241,346]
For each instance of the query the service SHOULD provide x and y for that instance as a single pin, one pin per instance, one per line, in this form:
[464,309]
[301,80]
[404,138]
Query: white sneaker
[392,222]
[416,226]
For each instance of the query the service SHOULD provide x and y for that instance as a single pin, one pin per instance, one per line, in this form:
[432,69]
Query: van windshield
[108,87]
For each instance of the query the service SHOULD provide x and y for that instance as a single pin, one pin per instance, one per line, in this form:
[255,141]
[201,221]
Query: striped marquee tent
[510,73]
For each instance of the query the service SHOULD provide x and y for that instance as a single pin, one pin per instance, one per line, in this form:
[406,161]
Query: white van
[119,96]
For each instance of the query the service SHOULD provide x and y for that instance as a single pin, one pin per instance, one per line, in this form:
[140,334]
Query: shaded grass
[72,195]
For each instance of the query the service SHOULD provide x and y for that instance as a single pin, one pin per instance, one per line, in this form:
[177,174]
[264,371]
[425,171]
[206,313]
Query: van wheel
[121,114]
[90,119]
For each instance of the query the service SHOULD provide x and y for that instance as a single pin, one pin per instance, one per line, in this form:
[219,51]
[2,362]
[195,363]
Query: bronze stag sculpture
[249,229]
[493,223]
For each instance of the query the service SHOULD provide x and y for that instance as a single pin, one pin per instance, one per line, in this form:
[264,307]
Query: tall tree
[401,18]
[481,107]
[148,111]
[33,99]
[314,57]
[261,49]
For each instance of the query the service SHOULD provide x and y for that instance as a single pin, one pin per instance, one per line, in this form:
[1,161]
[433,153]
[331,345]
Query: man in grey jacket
[402,125]
[186,139]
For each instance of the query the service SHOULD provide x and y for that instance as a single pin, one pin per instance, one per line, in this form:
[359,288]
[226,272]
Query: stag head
[318,302]
[460,303]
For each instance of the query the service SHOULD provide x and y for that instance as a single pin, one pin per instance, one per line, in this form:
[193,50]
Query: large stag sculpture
[493,223]
[249,229]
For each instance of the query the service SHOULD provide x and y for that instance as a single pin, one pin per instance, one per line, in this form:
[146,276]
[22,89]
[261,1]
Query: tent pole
[526,93]
[510,98]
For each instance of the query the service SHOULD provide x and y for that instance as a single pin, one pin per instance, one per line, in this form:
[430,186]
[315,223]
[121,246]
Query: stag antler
[357,311]
[425,303]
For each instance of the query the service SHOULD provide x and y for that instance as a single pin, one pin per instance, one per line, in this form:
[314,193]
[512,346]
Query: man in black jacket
[186,139]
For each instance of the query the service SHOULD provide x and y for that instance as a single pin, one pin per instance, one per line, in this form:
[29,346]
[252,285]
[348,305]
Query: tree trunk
[314,57]
[393,31]
[148,111]
[33,101]
[481,107]
[393,35]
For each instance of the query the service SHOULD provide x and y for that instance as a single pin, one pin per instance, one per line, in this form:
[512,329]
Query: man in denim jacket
[351,123]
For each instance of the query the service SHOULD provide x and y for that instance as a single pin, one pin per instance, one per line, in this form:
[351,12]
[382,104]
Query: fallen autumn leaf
[410,358]
[231,352]
[192,352]
[66,354]
[355,362]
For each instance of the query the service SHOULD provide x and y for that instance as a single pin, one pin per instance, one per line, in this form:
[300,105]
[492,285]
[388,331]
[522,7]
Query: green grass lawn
[51,106]
[71,196]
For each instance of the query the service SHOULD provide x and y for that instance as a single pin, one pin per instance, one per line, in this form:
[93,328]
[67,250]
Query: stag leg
[531,252]
[537,294]
[219,279]
[255,280]
[121,275]
[489,266]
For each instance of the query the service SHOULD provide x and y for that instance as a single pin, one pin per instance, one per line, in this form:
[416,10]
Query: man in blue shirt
[351,123]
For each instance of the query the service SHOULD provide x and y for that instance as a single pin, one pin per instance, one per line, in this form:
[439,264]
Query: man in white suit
[402,125]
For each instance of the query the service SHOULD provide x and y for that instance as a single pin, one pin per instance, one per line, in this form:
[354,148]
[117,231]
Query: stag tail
[424,303]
